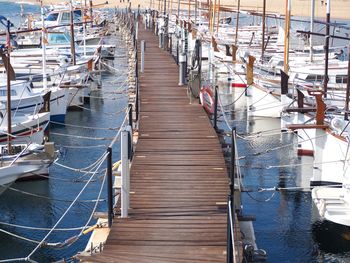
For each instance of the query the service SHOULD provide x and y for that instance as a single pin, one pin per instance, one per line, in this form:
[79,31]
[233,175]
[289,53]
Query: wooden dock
[178,176]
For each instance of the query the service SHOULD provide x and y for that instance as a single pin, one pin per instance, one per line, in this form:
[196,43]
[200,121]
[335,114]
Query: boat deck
[178,176]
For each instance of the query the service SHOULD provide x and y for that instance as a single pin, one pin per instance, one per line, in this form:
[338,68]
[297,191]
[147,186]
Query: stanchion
[110,187]
[216,109]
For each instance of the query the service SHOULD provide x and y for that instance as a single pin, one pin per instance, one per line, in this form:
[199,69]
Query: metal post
[130,115]
[216,108]
[136,65]
[229,250]
[182,69]
[137,30]
[130,148]
[233,161]
[143,47]
[230,200]
[171,44]
[110,187]
[137,100]
[177,51]
[124,174]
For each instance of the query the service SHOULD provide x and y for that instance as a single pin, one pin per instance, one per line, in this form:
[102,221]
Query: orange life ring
[206,98]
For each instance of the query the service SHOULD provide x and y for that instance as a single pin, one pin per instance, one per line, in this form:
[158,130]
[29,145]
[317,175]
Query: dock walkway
[178,175]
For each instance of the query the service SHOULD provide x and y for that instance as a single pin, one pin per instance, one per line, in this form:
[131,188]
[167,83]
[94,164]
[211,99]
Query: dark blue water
[12,11]
[20,209]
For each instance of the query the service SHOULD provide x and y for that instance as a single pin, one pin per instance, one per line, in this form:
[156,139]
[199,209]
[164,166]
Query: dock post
[130,115]
[216,109]
[124,174]
[130,148]
[143,49]
[229,248]
[230,200]
[110,187]
[182,65]
[137,101]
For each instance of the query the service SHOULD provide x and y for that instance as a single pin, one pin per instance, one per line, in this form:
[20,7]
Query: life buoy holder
[206,98]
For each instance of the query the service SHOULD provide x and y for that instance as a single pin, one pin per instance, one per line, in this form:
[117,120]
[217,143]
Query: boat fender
[206,98]
[305,152]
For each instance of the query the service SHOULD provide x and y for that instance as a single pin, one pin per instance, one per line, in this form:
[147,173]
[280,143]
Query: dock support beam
[143,49]
[125,174]
[110,187]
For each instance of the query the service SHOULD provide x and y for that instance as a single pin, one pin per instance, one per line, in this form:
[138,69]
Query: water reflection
[330,237]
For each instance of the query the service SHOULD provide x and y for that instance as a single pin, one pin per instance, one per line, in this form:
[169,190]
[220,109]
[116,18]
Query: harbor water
[286,225]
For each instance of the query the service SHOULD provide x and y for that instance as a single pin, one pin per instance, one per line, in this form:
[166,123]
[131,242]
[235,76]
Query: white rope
[81,170]
[82,137]
[287,145]
[95,206]
[44,228]
[81,146]
[106,98]
[113,68]
[85,127]
[67,210]
[106,113]
[45,197]
[224,114]
[302,164]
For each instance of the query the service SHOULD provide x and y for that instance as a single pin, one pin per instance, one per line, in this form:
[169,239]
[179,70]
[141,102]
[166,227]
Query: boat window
[52,17]
[77,13]
[65,17]
[312,77]
[57,39]
[341,79]
[3,93]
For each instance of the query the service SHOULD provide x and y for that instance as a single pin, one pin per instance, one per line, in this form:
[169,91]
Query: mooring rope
[84,169]
[105,113]
[46,197]
[82,137]
[44,228]
[73,239]
[81,146]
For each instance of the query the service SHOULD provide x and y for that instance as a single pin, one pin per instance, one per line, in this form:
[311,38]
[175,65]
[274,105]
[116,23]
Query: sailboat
[20,159]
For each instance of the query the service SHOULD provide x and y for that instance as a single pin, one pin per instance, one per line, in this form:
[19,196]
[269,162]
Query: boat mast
[72,42]
[312,29]
[195,12]
[43,44]
[237,21]
[263,31]
[8,81]
[218,20]
[325,82]
[286,36]
[346,115]
[90,2]
[84,26]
